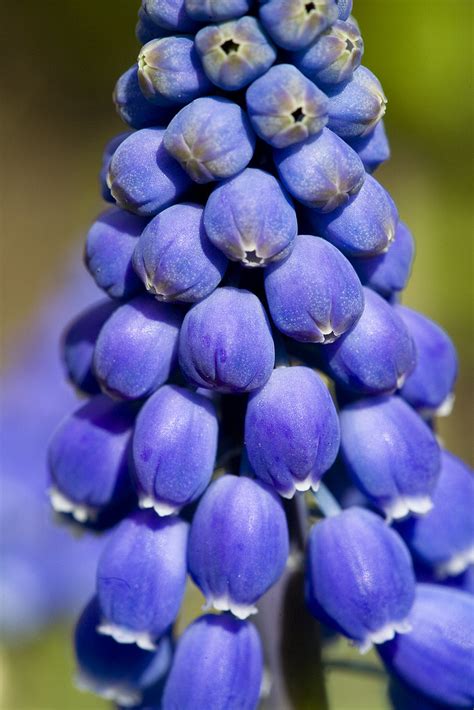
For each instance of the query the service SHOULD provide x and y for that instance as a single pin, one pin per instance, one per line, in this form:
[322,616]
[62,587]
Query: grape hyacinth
[251,348]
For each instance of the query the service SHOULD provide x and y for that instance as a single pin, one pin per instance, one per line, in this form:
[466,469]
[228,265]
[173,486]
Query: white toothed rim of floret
[456,564]
[444,409]
[385,633]
[404,505]
[302,486]
[62,504]
[224,603]
[115,693]
[160,507]
[120,634]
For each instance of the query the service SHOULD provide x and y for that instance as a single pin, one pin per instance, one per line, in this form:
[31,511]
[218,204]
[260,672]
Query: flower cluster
[250,257]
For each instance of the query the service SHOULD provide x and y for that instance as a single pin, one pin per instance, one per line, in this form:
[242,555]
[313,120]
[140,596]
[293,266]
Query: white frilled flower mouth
[404,505]
[444,409]
[224,603]
[385,633]
[300,486]
[120,634]
[160,507]
[121,696]
[62,504]
[457,564]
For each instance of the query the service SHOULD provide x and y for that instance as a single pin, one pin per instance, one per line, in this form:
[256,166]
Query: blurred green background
[62,59]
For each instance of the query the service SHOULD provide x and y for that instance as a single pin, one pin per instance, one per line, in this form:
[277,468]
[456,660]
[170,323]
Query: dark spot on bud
[230,46]
[349,45]
[309,7]
[252,258]
[298,115]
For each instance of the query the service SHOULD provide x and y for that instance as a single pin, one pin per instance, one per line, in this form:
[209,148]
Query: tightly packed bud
[124,674]
[294,24]
[175,259]
[388,273]
[169,70]
[391,454]
[437,657]
[291,430]
[323,172]
[333,56]
[141,577]
[285,107]
[79,342]
[234,53]
[429,389]
[373,149]
[356,106]
[137,348]
[365,226]
[174,448]
[251,219]
[359,577]
[225,342]
[376,355]
[211,138]
[218,664]
[169,15]
[314,295]
[216,10]
[133,107]
[88,459]
[143,178]
[109,248]
[238,544]
[443,539]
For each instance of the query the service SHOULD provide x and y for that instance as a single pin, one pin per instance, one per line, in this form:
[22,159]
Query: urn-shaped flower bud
[291,430]
[109,248]
[78,345]
[333,56]
[251,219]
[175,259]
[359,577]
[314,295]
[88,459]
[109,150]
[294,24]
[211,138]
[344,8]
[388,273]
[114,671]
[443,539]
[174,448]
[238,544]
[437,657]
[429,389]
[363,227]
[169,70]
[137,348]
[373,149]
[143,177]
[376,355]
[170,15]
[226,344]
[141,577]
[133,107]
[146,29]
[234,53]
[356,106]
[218,664]
[216,10]
[391,454]
[323,172]
[285,107]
